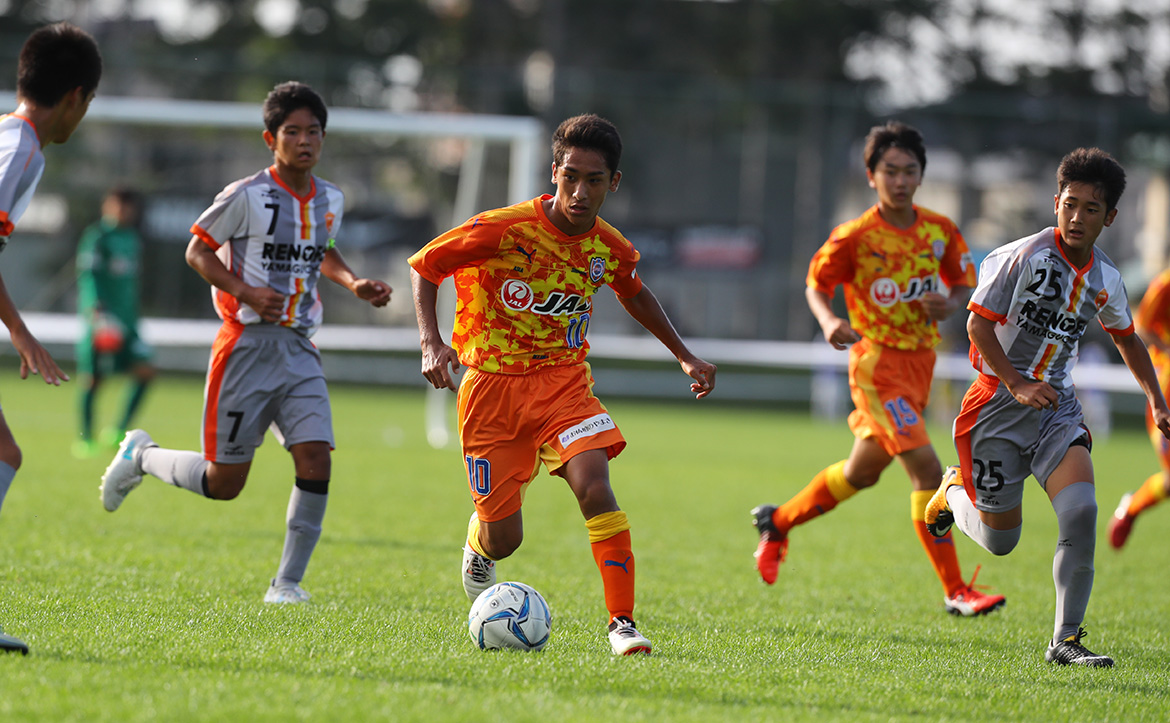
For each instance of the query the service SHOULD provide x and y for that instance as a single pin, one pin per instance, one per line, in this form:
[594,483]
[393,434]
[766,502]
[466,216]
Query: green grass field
[155,612]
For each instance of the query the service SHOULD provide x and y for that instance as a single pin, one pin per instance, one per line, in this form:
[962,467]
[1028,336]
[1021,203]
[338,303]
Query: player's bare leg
[486,543]
[831,486]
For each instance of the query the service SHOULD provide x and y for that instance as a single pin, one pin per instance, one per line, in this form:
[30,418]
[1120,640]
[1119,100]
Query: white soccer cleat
[479,573]
[125,472]
[625,638]
[285,593]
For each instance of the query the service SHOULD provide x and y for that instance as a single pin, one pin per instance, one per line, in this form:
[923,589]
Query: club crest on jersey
[1101,299]
[939,247]
[596,269]
[329,217]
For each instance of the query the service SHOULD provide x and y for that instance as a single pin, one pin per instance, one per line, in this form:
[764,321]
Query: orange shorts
[890,389]
[509,424]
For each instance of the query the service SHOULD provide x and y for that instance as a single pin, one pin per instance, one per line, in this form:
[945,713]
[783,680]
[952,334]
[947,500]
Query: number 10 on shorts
[479,475]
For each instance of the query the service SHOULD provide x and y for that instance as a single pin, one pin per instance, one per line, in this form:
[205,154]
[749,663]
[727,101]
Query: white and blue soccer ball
[509,615]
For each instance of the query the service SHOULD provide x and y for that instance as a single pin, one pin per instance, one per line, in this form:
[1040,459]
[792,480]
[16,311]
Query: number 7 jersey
[1042,304]
[267,235]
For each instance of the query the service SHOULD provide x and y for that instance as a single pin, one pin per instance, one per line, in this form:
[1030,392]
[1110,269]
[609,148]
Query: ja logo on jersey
[885,292]
[517,295]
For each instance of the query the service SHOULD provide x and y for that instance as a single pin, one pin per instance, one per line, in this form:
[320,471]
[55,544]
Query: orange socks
[940,550]
[821,495]
[1152,491]
[609,536]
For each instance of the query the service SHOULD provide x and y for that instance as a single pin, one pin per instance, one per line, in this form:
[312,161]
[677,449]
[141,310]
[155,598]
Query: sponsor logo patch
[516,295]
[588,428]
[884,292]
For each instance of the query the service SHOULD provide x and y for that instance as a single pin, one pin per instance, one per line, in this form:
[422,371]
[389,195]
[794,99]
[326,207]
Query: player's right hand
[439,362]
[840,334]
[35,359]
[265,301]
[1037,395]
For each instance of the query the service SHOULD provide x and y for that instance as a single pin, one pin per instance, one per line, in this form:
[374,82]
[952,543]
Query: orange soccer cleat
[773,547]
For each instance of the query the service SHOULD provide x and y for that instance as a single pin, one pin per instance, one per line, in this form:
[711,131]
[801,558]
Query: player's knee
[312,461]
[499,547]
[1001,542]
[11,455]
[500,541]
[863,478]
[224,489]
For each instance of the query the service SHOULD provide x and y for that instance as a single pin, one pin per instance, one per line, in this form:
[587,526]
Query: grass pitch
[155,612]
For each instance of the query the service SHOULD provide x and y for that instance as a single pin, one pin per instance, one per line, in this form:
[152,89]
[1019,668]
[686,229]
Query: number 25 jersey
[267,235]
[1042,304]
[524,288]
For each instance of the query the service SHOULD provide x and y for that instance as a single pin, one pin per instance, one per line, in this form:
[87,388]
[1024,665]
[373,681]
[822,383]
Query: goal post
[524,138]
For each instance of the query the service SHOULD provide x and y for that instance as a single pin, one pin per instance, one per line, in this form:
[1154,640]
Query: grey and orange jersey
[1042,304]
[21,167]
[267,235]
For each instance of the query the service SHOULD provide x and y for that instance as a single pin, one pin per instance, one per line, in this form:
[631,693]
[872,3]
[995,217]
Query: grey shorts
[263,376]
[1000,442]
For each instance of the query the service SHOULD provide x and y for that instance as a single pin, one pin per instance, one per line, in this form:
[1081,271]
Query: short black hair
[288,97]
[894,134]
[589,132]
[56,59]
[125,195]
[1096,168]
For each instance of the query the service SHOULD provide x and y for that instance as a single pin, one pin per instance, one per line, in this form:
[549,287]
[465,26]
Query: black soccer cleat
[1070,652]
[9,644]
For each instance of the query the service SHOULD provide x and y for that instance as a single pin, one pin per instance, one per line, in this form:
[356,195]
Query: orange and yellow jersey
[524,288]
[885,270]
[1153,318]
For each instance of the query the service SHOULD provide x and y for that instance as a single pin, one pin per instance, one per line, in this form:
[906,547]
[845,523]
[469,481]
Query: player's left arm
[1134,354]
[335,269]
[645,309]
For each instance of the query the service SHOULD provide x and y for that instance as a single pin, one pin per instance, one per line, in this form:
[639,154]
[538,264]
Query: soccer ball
[509,615]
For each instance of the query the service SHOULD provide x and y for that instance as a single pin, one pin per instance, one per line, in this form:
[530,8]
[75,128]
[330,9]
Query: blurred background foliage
[742,120]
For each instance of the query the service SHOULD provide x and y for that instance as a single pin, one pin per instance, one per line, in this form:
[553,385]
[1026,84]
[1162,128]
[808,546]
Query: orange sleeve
[6,226]
[205,237]
[832,264]
[956,267]
[477,239]
[1154,311]
[626,281]
[985,313]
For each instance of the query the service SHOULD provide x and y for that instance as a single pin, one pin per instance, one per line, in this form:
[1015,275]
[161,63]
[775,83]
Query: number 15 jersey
[267,235]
